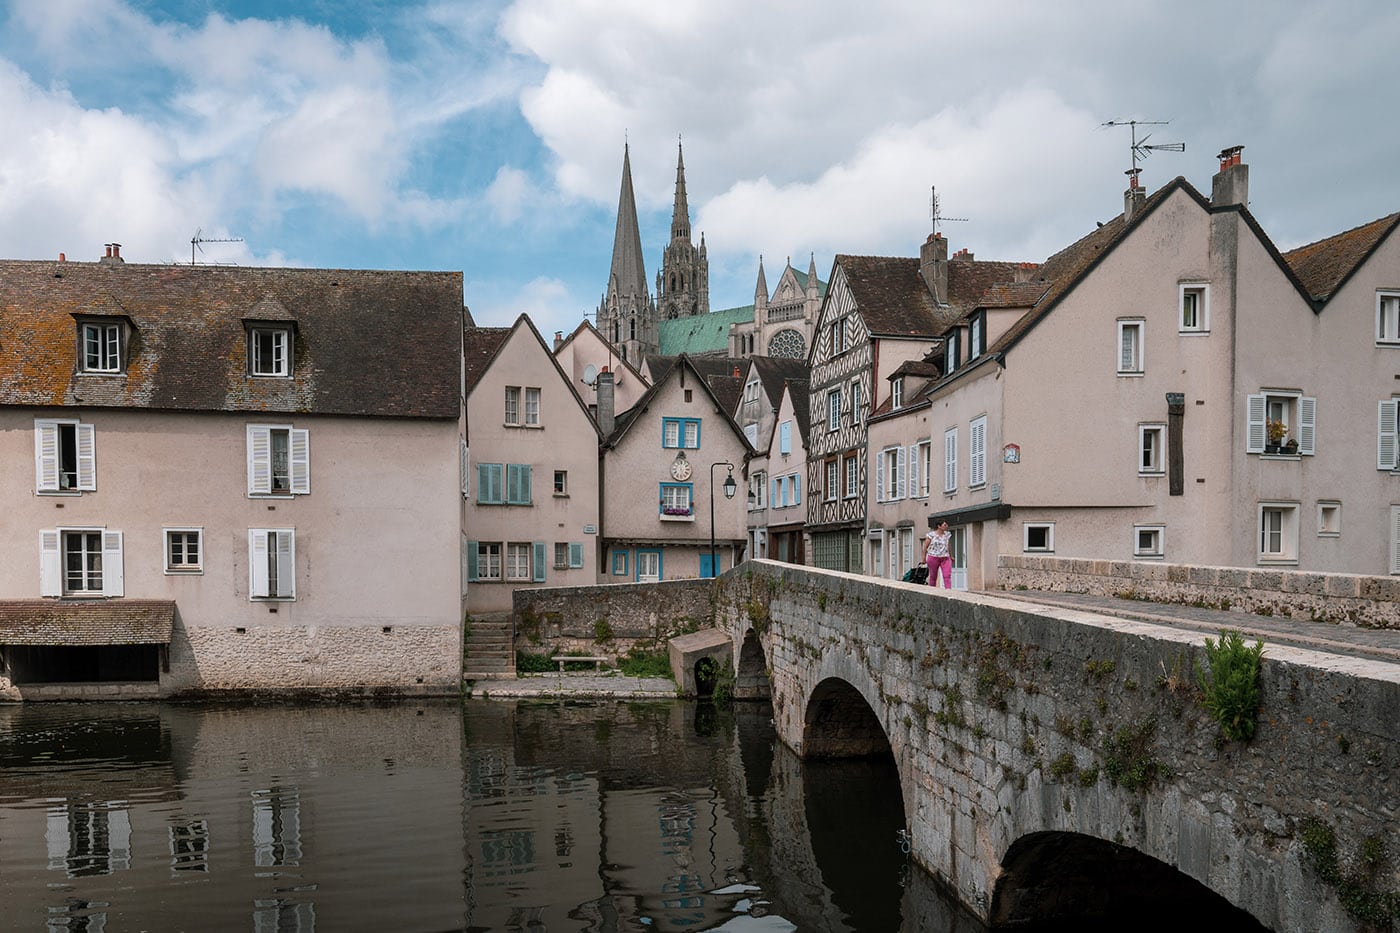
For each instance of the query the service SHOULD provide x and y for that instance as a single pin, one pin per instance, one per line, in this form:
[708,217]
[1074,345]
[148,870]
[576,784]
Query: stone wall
[610,619]
[1337,598]
[1006,723]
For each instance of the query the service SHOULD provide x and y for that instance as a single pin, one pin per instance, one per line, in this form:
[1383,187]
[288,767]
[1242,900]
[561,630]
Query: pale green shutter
[539,548]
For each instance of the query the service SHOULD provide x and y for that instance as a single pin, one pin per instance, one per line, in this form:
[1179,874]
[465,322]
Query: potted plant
[1275,431]
[1291,447]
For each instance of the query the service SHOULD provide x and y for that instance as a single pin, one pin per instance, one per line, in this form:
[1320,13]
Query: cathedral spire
[760,290]
[680,213]
[629,275]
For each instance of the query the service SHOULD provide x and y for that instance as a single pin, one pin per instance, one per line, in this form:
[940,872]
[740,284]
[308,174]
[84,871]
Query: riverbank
[572,685]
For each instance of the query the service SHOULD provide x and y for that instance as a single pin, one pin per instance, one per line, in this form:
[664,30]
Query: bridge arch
[1052,879]
[840,723]
[751,677]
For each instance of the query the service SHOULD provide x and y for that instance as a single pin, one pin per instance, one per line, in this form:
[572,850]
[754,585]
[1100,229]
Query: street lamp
[729,487]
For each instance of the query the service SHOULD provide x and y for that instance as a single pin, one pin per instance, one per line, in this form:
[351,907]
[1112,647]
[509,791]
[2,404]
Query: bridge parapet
[1008,721]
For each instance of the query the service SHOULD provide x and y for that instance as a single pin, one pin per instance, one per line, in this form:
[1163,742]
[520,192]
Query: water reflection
[491,816]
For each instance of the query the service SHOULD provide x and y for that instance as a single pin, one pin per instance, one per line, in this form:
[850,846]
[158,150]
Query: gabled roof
[773,371]
[681,364]
[479,347]
[1323,266]
[728,390]
[370,343]
[617,360]
[801,399]
[700,333]
[969,281]
[891,297]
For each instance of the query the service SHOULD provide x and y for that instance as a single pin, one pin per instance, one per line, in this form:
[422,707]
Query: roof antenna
[935,208]
[199,238]
[1140,148]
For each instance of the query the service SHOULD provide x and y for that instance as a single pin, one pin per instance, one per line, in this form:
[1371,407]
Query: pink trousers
[940,563]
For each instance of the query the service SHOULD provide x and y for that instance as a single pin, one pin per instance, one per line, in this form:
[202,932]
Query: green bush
[1231,690]
[641,663]
[532,662]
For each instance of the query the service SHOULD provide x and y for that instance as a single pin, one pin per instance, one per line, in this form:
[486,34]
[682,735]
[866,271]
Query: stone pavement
[574,685]
[1349,640]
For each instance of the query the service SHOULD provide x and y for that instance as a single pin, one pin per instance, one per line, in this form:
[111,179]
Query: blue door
[709,564]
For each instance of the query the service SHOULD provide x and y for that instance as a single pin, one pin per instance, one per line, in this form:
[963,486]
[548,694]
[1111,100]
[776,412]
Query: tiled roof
[1013,294]
[86,621]
[479,346]
[916,368]
[773,371]
[891,296]
[702,333]
[1324,265]
[801,411]
[366,342]
[727,390]
[969,281]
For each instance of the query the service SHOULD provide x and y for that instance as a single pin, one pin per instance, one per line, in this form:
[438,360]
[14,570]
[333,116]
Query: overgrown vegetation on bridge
[1231,690]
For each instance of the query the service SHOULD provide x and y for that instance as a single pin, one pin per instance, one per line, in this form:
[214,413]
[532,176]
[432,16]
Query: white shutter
[950,461]
[1395,539]
[880,476]
[914,488]
[87,456]
[50,564]
[977,466]
[45,456]
[259,462]
[1307,425]
[901,472]
[1254,424]
[1386,434]
[286,564]
[465,465]
[257,563]
[113,573]
[468,565]
[299,441]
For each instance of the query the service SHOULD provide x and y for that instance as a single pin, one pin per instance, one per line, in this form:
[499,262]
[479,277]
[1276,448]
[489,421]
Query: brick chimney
[933,266]
[1231,184]
[607,414]
[112,254]
[558,340]
[1135,196]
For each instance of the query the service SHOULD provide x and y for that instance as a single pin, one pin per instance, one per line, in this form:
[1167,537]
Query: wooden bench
[563,659]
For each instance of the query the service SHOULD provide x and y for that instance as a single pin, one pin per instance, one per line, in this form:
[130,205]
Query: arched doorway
[1056,881]
[751,682]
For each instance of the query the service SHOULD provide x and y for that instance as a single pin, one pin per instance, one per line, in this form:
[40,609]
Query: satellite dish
[590,374]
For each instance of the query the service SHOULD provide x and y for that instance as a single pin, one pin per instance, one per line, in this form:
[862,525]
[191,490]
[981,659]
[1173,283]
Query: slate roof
[702,333]
[366,342]
[801,397]
[891,296]
[773,371]
[1323,266]
[86,621]
[479,348]
[727,390]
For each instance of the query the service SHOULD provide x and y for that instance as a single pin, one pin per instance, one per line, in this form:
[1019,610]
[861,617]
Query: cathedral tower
[627,316]
[683,284]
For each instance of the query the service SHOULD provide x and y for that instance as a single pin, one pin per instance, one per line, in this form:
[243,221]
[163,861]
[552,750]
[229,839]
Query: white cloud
[546,300]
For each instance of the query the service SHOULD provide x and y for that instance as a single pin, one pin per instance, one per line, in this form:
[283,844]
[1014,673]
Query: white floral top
[938,543]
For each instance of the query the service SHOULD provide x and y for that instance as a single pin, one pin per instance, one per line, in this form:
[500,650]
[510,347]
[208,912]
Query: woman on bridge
[937,556]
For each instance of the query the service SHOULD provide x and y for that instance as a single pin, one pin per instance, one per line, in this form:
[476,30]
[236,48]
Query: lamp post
[729,487]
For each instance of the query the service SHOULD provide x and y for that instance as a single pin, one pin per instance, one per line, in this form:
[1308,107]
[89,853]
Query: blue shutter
[785,437]
[471,561]
[539,562]
[575,555]
[797,489]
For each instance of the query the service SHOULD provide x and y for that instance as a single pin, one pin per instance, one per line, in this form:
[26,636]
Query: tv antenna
[1140,147]
[935,210]
[199,238]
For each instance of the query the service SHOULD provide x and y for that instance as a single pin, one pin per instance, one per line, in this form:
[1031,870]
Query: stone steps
[490,649]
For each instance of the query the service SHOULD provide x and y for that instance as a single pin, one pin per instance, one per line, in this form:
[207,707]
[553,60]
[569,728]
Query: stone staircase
[489,651]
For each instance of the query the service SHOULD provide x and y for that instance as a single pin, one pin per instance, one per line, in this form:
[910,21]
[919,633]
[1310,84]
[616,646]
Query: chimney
[1231,184]
[112,253]
[558,340]
[1135,196]
[606,414]
[933,266]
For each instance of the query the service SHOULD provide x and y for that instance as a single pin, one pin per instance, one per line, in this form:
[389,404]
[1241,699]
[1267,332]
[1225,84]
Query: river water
[489,815]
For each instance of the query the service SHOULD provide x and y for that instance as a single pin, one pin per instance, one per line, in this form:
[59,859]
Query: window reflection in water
[276,827]
[88,839]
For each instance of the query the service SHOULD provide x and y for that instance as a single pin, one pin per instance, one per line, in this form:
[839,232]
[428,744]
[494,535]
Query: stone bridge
[1055,762]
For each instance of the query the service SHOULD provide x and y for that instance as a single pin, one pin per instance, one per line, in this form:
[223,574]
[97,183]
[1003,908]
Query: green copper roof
[703,333]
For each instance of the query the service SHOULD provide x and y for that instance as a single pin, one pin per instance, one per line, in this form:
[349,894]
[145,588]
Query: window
[518,561]
[920,462]
[1147,540]
[1280,423]
[101,347]
[852,476]
[838,336]
[976,334]
[184,550]
[279,460]
[1130,348]
[1388,435]
[832,480]
[952,350]
[271,563]
[1278,532]
[1038,536]
[619,563]
[950,460]
[751,391]
[464,466]
[785,438]
[80,562]
[512,415]
[1329,518]
[889,474]
[977,454]
[855,402]
[518,484]
[532,407]
[561,482]
[680,432]
[897,392]
[833,410]
[561,555]
[270,351]
[490,489]
[676,500]
[1388,318]
[65,457]
[1151,438]
[575,555]
[488,560]
[795,484]
[648,566]
[1194,305]
[758,490]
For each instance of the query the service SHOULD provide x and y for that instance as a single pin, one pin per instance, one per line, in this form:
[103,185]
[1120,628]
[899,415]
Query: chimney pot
[116,251]
[108,253]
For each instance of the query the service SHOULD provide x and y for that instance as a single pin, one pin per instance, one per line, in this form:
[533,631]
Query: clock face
[680,469]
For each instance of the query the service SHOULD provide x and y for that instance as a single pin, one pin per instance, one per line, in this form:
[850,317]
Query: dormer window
[976,335]
[102,344]
[897,392]
[269,350]
[951,350]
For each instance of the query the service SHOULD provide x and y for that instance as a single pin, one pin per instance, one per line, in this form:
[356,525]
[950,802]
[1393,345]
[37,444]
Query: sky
[486,136]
